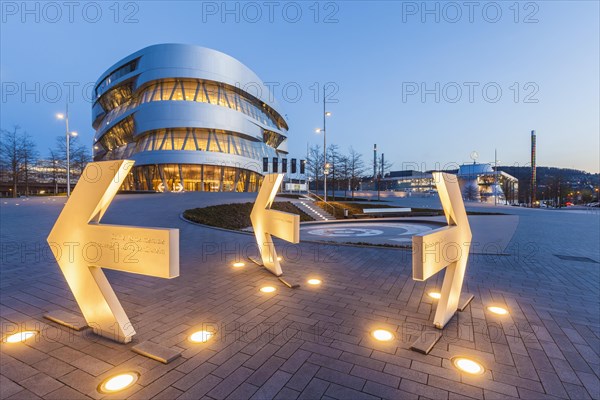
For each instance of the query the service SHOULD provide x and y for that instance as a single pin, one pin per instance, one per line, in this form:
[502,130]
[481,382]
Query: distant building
[480,182]
[408,181]
[477,183]
[44,177]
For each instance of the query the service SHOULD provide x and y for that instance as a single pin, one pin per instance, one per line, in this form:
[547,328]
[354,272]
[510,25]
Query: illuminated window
[114,76]
[212,178]
[229,179]
[192,177]
[119,135]
[190,141]
[121,99]
[242,183]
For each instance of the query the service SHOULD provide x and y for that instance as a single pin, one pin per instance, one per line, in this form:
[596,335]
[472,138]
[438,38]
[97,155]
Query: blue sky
[378,55]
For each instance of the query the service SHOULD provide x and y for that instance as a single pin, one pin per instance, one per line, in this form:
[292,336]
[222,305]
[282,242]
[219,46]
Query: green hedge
[236,215]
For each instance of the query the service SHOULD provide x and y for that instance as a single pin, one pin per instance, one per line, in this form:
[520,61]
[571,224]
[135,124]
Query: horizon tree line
[346,169]
[22,167]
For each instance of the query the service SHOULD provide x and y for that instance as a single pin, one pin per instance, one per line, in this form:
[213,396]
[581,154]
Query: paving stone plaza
[314,341]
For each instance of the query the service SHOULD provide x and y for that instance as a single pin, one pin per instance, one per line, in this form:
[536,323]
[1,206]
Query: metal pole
[375,161]
[324,148]
[533,168]
[379,177]
[496,177]
[68,152]
[306,176]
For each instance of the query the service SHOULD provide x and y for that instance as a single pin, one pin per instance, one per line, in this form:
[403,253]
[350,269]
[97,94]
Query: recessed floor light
[201,336]
[467,365]
[382,335]
[314,281]
[434,295]
[498,310]
[20,336]
[279,258]
[238,264]
[267,289]
[118,382]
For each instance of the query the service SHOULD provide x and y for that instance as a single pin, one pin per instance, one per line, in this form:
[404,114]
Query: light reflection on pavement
[378,232]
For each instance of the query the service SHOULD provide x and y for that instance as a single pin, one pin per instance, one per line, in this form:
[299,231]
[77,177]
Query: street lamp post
[324,131]
[496,177]
[68,139]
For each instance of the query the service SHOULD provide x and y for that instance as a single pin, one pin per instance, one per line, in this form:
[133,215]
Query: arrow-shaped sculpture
[267,222]
[447,247]
[82,247]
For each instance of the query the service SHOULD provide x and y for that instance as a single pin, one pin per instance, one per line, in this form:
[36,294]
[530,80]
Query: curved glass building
[192,118]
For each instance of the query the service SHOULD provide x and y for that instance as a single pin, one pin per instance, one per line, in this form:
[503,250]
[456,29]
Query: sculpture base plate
[426,341]
[464,301]
[156,352]
[255,261]
[286,283]
[429,338]
[65,318]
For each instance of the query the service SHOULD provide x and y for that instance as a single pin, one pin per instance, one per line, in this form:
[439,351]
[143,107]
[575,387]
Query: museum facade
[192,119]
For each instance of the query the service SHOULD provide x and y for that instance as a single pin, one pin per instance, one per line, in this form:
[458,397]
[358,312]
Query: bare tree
[79,155]
[53,165]
[508,190]
[11,155]
[29,155]
[333,159]
[314,164]
[356,167]
[344,173]
[471,191]
[385,168]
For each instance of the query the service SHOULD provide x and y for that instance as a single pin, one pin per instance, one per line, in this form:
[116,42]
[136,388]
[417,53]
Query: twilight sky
[428,86]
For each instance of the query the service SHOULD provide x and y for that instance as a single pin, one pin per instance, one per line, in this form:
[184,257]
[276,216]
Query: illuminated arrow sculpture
[267,222]
[82,247]
[447,247]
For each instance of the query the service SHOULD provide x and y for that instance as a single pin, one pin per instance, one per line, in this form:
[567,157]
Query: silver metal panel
[189,61]
[180,61]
